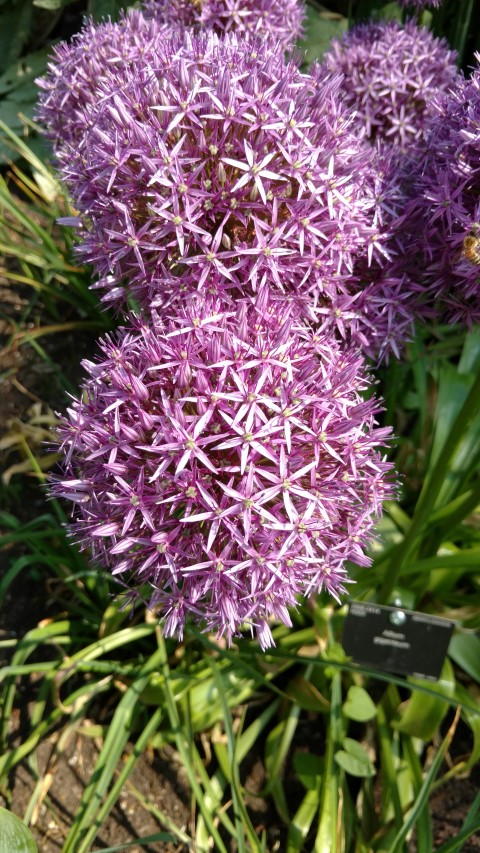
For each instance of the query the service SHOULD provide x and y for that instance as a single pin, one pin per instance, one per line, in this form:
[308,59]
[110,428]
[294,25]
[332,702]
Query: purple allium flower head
[214,165]
[444,211]
[70,87]
[387,298]
[419,5]
[174,13]
[224,463]
[391,73]
[281,20]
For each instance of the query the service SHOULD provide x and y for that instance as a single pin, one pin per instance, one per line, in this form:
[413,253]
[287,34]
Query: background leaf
[358,705]
[320,28]
[464,649]
[354,759]
[15,837]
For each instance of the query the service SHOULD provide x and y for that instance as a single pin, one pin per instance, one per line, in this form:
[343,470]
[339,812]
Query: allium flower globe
[281,20]
[391,74]
[75,69]
[444,209]
[420,5]
[69,89]
[214,166]
[379,308]
[225,463]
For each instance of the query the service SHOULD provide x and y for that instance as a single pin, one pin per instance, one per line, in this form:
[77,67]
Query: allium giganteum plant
[391,75]
[282,21]
[210,165]
[443,207]
[225,462]
[224,457]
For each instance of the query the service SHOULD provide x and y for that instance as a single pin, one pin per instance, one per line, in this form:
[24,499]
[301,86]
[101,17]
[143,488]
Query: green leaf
[276,750]
[472,718]
[328,838]
[374,9]
[15,24]
[308,768]
[164,837]
[306,695]
[470,358]
[464,649]
[320,28]
[421,795]
[19,93]
[453,390]
[302,821]
[52,5]
[9,115]
[422,715]
[102,9]
[15,837]
[24,71]
[353,758]
[359,706]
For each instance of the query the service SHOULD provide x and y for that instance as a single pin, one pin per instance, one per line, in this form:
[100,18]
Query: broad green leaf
[464,649]
[9,111]
[354,759]
[358,705]
[203,693]
[22,73]
[470,358]
[320,28]
[15,26]
[375,9]
[453,389]
[421,715]
[52,5]
[308,768]
[10,114]
[102,9]
[306,695]
[15,837]
[463,696]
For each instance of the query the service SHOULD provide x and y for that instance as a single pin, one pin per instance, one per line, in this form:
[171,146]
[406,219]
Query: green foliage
[358,705]
[320,28]
[351,755]
[15,837]
[25,44]
[354,759]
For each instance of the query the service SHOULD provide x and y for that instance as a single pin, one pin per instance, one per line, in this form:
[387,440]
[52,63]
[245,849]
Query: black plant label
[396,640]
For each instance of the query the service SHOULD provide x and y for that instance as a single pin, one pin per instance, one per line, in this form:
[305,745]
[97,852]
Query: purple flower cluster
[444,208]
[222,459]
[70,89]
[420,5]
[224,463]
[391,74]
[281,20]
[98,53]
[213,166]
